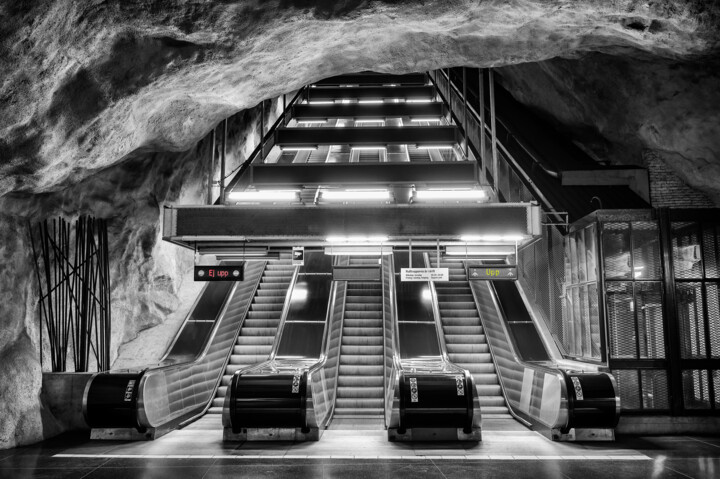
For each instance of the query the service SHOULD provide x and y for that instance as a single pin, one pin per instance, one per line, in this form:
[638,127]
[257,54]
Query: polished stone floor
[351,451]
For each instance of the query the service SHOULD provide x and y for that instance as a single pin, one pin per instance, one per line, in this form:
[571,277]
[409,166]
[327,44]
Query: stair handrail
[284,314]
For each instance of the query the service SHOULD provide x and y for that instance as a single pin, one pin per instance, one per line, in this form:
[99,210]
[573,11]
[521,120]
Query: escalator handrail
[149,372]
[436,314]
[320,364]
[516,358]
[284,314]
[227,359]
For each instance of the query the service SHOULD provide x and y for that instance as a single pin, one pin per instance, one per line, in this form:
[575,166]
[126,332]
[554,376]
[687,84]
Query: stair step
[261,323]
[360,359]
[460,321]
[247,358]
[363,315]
[489,390]
[371,331]
[361,340]
[491,401]
[453,348]
[470,358]
[462,330]
[360,381]
[364,349]
[464,338]
[360,392]
[255,340]
[259,331]
[362,322]
[359,403]
[361,370]
[252,349]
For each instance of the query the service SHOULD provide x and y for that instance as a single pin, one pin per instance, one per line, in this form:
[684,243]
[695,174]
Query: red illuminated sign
[218,273]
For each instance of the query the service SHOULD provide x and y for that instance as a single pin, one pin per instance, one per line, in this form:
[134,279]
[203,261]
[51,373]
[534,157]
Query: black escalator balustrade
[465,339]
[360,381]
[256,337]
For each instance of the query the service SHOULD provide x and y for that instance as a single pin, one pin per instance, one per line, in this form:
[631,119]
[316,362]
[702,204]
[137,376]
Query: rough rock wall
[619,106]
[152,287]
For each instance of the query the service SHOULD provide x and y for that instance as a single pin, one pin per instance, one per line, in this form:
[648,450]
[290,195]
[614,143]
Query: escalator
[147,403]
[360,380]
[290,396]
[428,396]
[256,337]
[464,337]
[562,399]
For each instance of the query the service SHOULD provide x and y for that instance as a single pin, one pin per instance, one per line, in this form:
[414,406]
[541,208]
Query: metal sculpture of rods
[74,282]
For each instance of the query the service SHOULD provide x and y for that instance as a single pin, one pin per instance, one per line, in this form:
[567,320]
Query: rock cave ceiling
[85,85]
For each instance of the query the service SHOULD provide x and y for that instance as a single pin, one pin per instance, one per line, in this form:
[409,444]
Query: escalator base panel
[434,434]
[584,435]
[267,434]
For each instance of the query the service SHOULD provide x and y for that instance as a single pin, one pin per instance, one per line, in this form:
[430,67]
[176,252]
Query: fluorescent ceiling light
[369,121]
[344,250]
[450,194]
[418,100]
[434,147]
[357,195]
[321,102]
[264,195]
[370,102]
[425,119]
[482,251]
[298,148]
[470,238]
[368,148]
[356,239]
[307,122]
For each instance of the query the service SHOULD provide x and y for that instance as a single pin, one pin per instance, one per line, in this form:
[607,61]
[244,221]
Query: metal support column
[284,120]
[481,90]
[222,162]
[672,328]
[262,131]
[493,132]
[465,111]
[211,173]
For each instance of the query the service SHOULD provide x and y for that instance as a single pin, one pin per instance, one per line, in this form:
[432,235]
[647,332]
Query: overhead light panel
[343,250]
[356,195]
[434,147]
[424,119]
[370,102]
[264,195]
[480,251]
[450,195]
[356,239]
[505,238]
[369,120]
[368,148]
[321,102]
[310,122]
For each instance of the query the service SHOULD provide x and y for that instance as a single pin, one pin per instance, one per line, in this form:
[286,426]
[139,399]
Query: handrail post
[481,89]
[465,111]
[491,79]
[211,173]
[222,161]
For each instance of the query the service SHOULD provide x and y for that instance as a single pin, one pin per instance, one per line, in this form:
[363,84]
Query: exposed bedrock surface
[102,106]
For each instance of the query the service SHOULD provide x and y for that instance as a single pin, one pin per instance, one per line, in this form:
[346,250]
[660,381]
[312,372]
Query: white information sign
[424,274]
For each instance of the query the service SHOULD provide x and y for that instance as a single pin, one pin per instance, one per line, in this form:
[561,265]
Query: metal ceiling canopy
[371,93]
[367,110]
[390,135]
[312,225]
[311,174]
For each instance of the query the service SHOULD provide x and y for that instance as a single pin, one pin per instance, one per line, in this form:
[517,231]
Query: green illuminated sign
[493,273]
